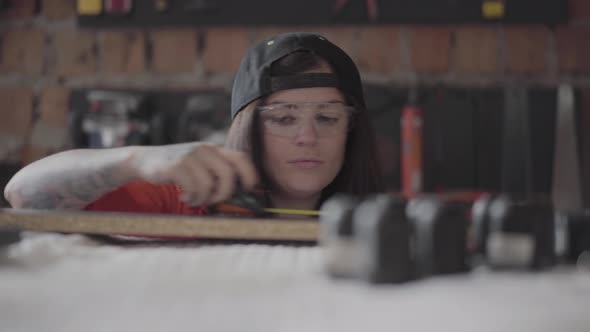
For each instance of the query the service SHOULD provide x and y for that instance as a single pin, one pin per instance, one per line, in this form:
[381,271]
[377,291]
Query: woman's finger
[224,175]
[196,182]
[243,166]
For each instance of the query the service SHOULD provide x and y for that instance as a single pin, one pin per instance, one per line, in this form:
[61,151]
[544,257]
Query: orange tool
[412,147]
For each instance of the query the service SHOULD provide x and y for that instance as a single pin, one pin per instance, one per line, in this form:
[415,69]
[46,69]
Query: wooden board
[161,225]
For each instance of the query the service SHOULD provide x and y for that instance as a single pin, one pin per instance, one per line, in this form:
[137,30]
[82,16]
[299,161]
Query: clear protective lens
[287,119]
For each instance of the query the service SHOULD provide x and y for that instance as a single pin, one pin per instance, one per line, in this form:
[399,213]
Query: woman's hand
[207,173]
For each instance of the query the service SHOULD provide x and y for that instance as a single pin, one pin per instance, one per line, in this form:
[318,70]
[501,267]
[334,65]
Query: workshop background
[49,63]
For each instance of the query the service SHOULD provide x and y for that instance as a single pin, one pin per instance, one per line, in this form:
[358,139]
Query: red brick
[19,9]
[54,106]
[267,32]
[378,50]
[476,50]
[57,9]
[573,50]
[579,10]
[344,37]
[33,153]
[49,133]
[225,48]
[123,52]
[430,47]
[22,51]
[76,53]
[17,113]
[527,50]
[174,51]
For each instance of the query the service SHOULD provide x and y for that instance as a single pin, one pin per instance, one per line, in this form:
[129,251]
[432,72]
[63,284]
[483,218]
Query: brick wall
[43,56]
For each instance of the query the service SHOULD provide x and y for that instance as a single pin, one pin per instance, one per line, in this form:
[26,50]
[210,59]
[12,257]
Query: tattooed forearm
[71,180]
[43,200]
[90,187]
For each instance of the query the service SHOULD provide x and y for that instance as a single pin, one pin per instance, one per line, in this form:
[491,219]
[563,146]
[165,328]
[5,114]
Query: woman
[300,132]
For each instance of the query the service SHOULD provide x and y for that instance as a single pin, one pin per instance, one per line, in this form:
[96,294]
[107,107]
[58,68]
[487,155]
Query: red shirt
[145,197]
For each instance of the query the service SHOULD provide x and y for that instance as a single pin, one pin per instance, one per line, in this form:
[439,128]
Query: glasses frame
[351,110]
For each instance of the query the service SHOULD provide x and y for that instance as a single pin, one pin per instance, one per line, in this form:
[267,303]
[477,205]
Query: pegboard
[159,13]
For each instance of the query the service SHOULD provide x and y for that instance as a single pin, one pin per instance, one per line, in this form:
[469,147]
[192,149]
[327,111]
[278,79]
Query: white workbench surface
[70,283]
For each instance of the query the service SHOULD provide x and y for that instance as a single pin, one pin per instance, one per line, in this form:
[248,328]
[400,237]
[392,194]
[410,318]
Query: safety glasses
[287,119]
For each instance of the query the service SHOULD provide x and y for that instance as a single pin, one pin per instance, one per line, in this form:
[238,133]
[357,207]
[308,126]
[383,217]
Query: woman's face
[303,153]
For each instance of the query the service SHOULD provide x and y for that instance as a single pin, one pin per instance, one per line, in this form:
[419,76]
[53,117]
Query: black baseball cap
[254,80]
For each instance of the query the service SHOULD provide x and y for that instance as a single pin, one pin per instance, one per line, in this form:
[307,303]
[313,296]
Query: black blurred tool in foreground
[393,240]
[9,236]
[388,239]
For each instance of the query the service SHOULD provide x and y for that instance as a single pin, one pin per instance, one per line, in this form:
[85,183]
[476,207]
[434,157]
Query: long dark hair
[359,175]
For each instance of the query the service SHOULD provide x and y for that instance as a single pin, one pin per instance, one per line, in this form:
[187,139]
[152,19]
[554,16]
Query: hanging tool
[412,147]
[493,9]
[118,7]
[202,6]
[585,150]
[516,145]
[112,119]
[161,5]
[372,8]
[567,191]
[89,7]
